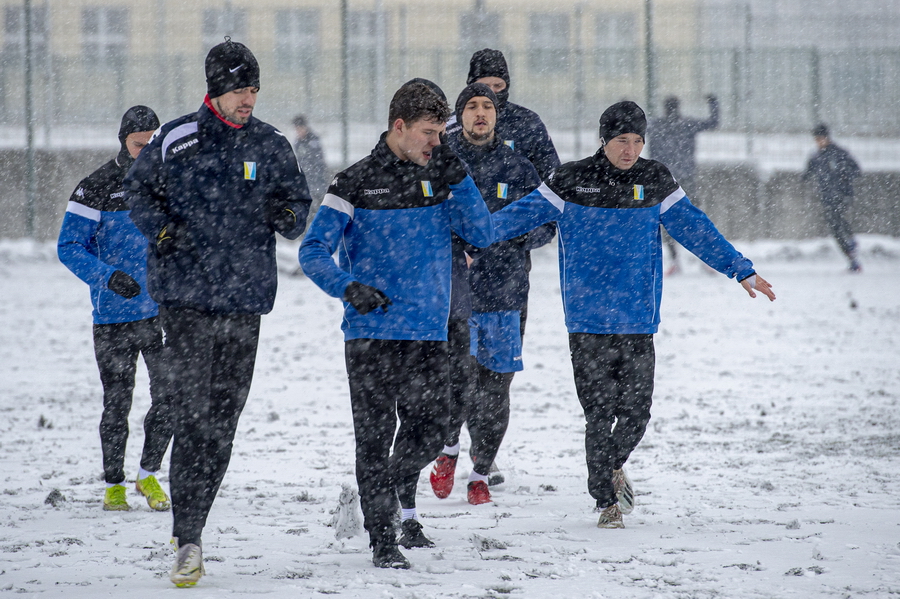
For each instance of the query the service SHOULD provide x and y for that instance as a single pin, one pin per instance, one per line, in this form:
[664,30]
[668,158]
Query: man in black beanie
[518,127]
[499,293]
[609,209]
[209,193]
[99,243]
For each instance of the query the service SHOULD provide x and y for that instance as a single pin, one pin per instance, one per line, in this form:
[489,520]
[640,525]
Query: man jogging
[609,208]
[390,217]
[209,193]
[99,243]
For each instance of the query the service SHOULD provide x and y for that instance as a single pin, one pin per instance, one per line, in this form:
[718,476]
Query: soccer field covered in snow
[769,468]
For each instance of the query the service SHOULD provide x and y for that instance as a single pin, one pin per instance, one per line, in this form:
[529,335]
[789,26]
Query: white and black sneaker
[624,491]
[188,566]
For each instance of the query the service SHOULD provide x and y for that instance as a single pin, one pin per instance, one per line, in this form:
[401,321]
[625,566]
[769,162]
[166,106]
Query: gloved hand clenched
[122,283]
[447,162]
[365,298]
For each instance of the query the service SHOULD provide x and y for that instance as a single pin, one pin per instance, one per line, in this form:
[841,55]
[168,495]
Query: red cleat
[479,492]
[442,475]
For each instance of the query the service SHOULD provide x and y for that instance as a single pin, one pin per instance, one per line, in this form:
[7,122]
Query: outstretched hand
[757,283]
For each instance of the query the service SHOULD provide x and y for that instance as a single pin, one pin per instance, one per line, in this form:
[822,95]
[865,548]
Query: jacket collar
[390,161]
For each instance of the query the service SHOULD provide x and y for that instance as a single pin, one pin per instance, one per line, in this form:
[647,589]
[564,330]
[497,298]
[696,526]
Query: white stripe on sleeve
[339,204]
[673,197]
[550,196]
[82,210]
[175,134]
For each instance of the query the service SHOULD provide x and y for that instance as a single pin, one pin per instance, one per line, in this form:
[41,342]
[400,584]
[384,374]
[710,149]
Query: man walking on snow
[99,243]
[209,193]
[609,209]
[390,217]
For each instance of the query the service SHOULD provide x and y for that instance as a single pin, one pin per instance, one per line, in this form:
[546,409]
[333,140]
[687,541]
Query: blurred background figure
[673,141]
[833,170]
[311,158]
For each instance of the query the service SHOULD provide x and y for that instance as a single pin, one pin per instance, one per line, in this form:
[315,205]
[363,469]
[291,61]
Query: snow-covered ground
[769,468]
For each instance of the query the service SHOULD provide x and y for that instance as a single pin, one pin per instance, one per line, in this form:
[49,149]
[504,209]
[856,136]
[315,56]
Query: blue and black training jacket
[97,238]
[610,249]
[390,222]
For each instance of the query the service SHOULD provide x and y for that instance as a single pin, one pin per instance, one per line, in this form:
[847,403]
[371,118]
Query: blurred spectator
[673,141]
[833,171]
[311,159]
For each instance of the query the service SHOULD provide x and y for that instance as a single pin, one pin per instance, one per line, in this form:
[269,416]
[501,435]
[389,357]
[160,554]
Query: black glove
[166,243]
[281,216]
[121,282]
[365,298]
[448,163]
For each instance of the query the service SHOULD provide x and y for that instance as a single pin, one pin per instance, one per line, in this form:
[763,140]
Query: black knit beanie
[230,66]
[473,90]
[137,119]
[620,118]
[488,63]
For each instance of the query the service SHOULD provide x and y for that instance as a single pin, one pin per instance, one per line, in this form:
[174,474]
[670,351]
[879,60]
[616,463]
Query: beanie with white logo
[230,66]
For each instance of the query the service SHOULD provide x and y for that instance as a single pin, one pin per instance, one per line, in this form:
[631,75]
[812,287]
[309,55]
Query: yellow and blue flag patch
[502,190]
[426,189]
[638,193]
[511,143]
[250,171]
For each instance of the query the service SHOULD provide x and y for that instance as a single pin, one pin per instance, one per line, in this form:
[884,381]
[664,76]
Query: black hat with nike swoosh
[230,66]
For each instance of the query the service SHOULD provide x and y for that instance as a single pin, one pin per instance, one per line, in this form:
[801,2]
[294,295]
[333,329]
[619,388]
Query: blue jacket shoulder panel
[97,238]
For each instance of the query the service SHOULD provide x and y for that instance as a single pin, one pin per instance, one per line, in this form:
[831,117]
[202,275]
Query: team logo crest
[511,143]
[426,189]
[250,171]
[502,190]
[638,193]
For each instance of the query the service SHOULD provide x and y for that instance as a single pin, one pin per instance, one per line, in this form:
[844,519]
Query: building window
[549,38]
[105,37]
[616,43]
[478,29]
[296,39]
[14,34]
[219,22]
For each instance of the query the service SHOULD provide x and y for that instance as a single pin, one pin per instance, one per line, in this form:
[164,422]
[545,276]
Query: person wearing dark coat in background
[389,217]
[99,243]
[833,171]
[519,128]
[499,281]
[673,141]
[311,158]
[209,193]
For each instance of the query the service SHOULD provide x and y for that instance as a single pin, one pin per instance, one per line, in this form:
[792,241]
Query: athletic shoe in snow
[114,499]
[611,517]
[156,497]
[478,492]
[386,555]
[624,491]
[442,475]
[495,477]
[412,536]
[188,566]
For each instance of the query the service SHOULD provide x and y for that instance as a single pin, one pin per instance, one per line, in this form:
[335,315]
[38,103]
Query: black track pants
[488,416]
[614,380]
[462,369]
[212,358]
[116,347]
[390,381]
[835,216]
